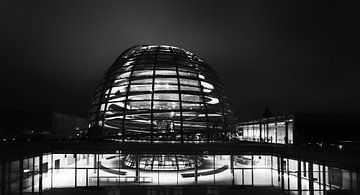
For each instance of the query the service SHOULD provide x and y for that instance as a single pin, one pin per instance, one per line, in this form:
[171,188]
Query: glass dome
[160,94]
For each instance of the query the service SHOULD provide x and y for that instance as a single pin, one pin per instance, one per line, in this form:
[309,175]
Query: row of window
[40,173]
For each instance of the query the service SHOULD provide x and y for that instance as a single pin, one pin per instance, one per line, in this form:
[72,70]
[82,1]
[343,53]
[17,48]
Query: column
[286,133]
[40,172]
[299,176]
[196,170]
[282,173]
[311,179]
[232,169]
[137,171]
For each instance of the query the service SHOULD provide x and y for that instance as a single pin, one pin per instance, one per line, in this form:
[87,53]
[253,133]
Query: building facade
[160,119]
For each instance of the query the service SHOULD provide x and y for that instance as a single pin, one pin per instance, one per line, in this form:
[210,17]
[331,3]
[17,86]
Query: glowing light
[124,75]
[206,90]
[212,100]
[207,85]
[26,170]
[128,63]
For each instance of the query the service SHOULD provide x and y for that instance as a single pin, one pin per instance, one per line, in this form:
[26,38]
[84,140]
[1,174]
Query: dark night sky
[293,56]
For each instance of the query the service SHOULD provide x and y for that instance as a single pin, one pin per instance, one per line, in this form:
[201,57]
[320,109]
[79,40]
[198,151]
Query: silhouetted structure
[26,124]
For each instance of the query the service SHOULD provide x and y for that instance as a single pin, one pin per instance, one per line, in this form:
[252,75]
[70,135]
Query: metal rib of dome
[160,94]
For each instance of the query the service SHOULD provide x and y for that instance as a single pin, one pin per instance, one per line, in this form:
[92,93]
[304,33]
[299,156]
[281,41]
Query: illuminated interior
[163,162]
[59,170]
[161,94]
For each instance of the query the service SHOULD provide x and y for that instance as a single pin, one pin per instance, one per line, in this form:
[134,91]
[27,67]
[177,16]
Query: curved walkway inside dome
[212,172]
[108,170]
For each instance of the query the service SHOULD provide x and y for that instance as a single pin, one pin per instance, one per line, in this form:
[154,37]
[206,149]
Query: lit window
[162,87]
[120,82]
[120,89]
[134,88]
[139,105]
[165,72]
[189,82]
[142,81]
[139,73]
[160,105]
[187,74]
[166,80]
[124,75]
[140,97]
[166,96]
[191,98]
[189,88]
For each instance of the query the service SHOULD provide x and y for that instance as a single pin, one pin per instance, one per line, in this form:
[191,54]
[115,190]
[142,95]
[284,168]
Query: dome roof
[160,94]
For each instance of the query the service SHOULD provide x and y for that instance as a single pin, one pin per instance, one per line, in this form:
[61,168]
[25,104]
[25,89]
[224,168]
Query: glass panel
[290,133]
[165,87]
[186,171]
[140,97]
[262,170]
[165,72]
[238,176]
[142,81]
[140,73]
[121,82]
[247,177]
[166,96]
[46,172]
[262,177]
[206,170]
[191,98]
[272,132]
[28,172]
[120,89]
[135,105]
[166,81]
[162,105]
[223,175]
[128,163]
[187,74]
[304,175]
[280,130]
[64,170]
[189,88]
[242,161]
[36,171]
[109,173]
[345,180]
[14,176]
[293,174]
[81,177]
[134,88]
[124,75]
[190,82]
[192,106]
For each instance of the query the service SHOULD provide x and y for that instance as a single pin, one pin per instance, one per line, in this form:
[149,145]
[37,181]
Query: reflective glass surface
[160,94]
